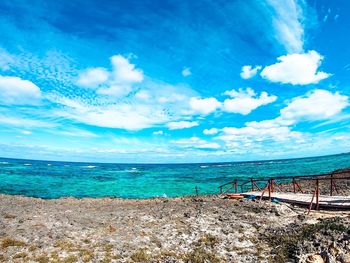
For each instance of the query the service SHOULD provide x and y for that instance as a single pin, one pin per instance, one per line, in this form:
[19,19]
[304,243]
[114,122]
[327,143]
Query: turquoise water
[59,179]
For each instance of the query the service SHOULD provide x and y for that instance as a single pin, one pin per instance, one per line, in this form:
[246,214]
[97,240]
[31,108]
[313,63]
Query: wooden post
[270,189]
[311,203]
[252,181]
[220,189]
[294,185]
[317,194]
[196,188]
[331,184]
[236,186]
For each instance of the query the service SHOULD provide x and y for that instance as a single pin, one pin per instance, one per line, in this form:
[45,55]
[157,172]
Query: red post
[272,187]
[332,185]
[294,185]
[311,203]
[317,194]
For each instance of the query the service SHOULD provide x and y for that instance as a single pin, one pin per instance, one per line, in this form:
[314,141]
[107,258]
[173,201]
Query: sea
[53,179]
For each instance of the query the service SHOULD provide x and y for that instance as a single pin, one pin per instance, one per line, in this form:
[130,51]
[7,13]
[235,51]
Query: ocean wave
[27,164]
[49,164]
[4,163]
[222,165]
[204,166]
[89,166]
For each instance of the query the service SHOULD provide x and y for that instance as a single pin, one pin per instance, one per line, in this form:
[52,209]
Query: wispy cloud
[288,19]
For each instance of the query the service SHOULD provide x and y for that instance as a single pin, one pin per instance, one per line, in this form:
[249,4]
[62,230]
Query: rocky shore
[188,229]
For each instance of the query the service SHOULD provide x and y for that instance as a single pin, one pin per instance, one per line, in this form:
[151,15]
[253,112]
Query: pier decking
[290,189]
[325,201]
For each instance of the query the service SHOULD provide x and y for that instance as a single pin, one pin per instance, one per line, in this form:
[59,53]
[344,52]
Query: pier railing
[288,184]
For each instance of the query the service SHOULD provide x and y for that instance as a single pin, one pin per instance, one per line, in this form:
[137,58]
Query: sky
[174,81]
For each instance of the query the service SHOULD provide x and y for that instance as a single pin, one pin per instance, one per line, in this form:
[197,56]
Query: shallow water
[47,179]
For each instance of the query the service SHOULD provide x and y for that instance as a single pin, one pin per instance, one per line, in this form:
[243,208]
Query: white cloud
[288,24]
[120,116]
[92,78]
[152,105]
[124,71]
[115,90]
[245,101]
[160,132]
[211,131]
[19,121]
[204,106]
[315,105]
[25,132]
[118,82]
[5,60]
[296,69]
[14,90]
[258,132]
[186,72]
[182,125]
[249,71]
[195,142]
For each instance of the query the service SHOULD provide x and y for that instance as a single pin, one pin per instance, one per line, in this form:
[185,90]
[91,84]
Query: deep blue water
[48,179]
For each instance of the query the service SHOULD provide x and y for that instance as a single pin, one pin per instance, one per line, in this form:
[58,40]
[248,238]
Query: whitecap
[88,166]
[27,164]
[4,163]
[204,166]
[49,164]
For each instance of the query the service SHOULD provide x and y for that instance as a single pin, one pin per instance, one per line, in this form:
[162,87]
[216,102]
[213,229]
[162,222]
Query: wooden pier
[275,188]
[324,201]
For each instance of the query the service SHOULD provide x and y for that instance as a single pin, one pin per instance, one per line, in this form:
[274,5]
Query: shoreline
[183,229]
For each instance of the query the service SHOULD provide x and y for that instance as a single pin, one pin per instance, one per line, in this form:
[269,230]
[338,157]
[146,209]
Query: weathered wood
[324,201]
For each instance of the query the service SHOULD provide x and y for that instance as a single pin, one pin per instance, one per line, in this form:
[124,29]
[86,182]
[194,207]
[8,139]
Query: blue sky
[174,81]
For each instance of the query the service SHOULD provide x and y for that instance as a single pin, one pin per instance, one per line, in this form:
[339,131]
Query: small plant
[42,259]
[140,256]
[9,242]
[200,255]
[20,255]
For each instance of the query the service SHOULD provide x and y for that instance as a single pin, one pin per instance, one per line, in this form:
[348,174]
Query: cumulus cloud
[258,132]
[245,101]
[249,71]
[177,125]
[118,82]
[186,72]
[211,131]
[288,25]
[14,90]
[204,106]
[92,78]
[195,142]
[316,105]
[296,69]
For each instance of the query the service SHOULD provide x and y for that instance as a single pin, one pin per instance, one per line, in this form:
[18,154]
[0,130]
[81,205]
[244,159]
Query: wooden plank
[305,199]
